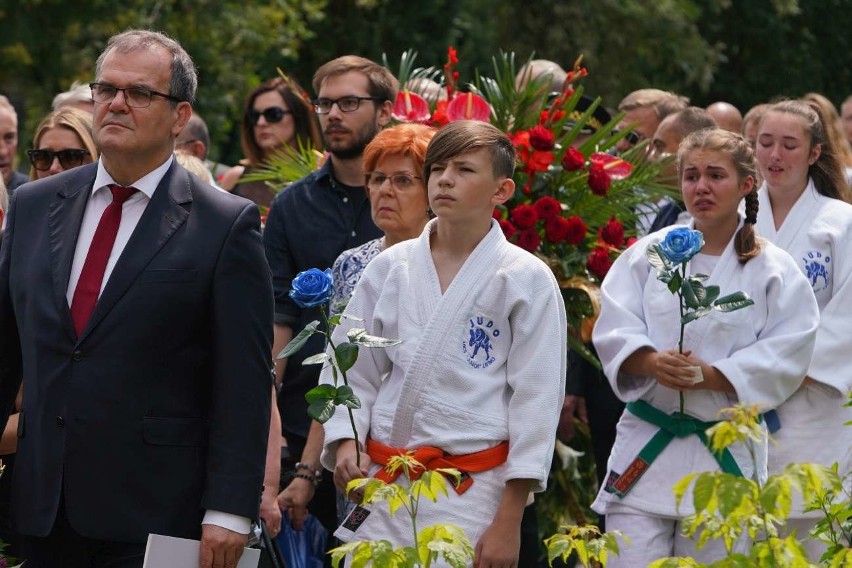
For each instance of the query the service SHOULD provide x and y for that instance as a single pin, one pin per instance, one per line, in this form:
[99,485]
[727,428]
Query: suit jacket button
[77,355]
[60,421]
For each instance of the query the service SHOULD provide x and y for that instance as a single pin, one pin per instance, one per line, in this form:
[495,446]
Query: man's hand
[270,512]
[571,406]
[295,498]
[221,548]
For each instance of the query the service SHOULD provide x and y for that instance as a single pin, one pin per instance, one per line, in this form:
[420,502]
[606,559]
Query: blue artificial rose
[681,244]
[311,288]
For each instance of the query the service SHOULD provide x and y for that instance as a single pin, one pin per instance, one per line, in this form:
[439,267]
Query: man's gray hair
[78,93]
[184,82]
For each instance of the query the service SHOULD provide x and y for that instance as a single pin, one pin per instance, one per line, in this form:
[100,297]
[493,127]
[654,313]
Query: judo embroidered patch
[817,269]
[478,346]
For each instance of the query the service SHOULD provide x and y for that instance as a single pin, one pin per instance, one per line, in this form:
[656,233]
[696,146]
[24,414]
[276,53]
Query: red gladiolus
[529,239]
[599,180]
[573,160]
[542,138]
[452,55]
[599,262]
[524,216]
[547,207]
[508,228]
[468,106]
[410,107]
[439,118]
[546,117]
[613,233]
[576,230]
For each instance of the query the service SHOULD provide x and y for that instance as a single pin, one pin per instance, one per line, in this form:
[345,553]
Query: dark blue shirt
[310,223]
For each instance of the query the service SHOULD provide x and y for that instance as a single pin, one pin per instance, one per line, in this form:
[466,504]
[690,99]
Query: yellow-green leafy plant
[443,540]
[586,543]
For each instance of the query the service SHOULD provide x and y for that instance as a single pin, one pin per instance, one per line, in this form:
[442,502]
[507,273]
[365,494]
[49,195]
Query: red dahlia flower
[599,180]
[573,160]
[613,233]
[547,207]
[577,230]
[542,138]
[556,229]
[599,262]
[524,216]
[529,239]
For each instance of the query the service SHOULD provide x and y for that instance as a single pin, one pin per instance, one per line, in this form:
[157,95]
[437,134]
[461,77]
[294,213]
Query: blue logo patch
[478,346]
[817,270]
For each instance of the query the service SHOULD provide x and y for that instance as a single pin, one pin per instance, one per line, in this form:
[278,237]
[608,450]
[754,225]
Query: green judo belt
[675,425]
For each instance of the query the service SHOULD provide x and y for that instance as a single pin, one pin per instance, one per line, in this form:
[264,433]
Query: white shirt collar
[147,184]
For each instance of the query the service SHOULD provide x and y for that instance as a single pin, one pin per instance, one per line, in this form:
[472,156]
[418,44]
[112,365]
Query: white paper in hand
[172,552]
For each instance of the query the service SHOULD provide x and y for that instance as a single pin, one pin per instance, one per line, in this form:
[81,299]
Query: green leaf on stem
[346,354]
[337,318]
[690,291]
[346,397]
[319,358]
[299,341]
[712,293]
[361,337]
[733,302]
[657,259]
[675,282]
[321,403]
[692,316]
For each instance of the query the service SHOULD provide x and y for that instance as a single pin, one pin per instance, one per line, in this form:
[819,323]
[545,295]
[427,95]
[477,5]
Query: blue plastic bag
[304,548]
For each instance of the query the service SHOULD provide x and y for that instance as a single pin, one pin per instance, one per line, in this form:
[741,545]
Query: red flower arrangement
[575,199]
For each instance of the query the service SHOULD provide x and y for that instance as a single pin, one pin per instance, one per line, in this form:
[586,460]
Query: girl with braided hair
[758,355]
[803,210]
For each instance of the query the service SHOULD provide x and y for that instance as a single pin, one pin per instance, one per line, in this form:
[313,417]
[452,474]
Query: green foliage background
[744,52]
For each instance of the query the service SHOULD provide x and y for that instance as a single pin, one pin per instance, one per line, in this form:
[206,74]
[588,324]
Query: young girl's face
[784,151]
[712,188]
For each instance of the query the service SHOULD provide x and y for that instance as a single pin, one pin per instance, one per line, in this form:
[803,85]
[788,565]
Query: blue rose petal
[312,288]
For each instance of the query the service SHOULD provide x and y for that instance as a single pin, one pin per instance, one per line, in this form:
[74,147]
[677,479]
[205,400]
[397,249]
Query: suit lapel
[64,218]
[165,213]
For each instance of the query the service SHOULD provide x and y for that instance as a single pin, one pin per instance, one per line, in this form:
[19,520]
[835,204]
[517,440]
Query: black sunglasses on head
[271,114]
[68,158]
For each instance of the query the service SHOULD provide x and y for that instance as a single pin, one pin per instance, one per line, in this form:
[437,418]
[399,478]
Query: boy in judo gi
[478,380]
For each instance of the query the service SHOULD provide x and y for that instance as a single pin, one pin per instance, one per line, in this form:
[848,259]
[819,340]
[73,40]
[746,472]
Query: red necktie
[92,275]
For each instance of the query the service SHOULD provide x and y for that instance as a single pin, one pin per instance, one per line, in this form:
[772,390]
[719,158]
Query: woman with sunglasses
[276,114]
[63,140]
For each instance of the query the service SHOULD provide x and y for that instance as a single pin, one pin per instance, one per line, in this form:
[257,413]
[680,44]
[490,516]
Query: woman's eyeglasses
[400,181]
[271,115]
[68,158]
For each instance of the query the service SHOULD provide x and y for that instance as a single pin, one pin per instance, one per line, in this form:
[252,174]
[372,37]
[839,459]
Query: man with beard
[312,222]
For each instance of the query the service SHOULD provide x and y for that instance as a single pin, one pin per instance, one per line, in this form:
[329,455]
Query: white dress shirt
[131,212]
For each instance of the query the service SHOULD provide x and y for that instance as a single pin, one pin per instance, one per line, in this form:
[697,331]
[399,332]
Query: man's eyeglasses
[69,158]
[345,104]
[135,97]
[400,181]
[271,115]
[631,137]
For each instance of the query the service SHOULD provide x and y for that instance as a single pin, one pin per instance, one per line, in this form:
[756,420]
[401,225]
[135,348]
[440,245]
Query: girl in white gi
[758,354]
[802,210]
[479,374]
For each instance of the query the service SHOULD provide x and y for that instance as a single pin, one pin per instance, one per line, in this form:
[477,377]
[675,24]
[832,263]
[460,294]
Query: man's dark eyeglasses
[271,115]
[631,137]
[70,158]
[345,104]
[136,97]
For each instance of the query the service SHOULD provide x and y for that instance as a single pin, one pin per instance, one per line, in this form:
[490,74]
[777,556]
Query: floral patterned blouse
[347,271]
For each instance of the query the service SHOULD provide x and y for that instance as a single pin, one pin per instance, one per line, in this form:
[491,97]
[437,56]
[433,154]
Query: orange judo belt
[435,458]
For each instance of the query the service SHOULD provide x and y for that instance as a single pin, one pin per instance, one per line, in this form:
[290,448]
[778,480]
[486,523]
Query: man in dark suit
[136,306]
